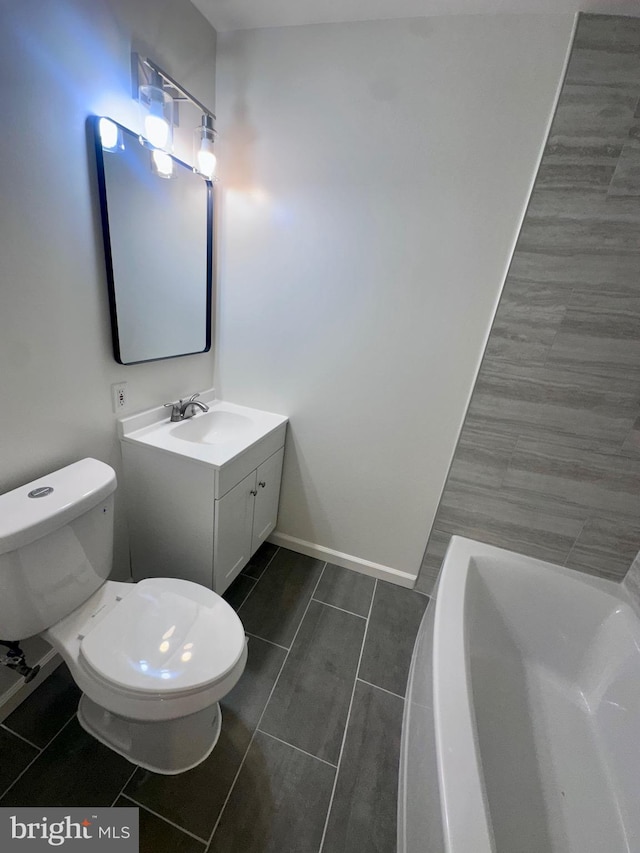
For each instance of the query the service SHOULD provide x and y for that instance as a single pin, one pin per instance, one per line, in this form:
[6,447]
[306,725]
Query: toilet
[152,659]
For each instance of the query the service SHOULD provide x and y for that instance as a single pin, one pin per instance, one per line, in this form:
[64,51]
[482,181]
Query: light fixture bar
[141,62]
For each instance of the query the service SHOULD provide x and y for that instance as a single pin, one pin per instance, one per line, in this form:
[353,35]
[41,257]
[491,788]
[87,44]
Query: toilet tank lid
[57,499]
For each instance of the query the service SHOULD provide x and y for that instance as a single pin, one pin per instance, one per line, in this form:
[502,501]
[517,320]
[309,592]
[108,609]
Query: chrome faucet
[184,409]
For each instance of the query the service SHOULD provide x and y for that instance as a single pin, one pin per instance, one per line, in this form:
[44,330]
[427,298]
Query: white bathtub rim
[465,813]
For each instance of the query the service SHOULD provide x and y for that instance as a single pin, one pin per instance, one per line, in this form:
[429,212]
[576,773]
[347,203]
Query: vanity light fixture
[109,134]
[156,106]
[161,163]
[204,159]
[160,98]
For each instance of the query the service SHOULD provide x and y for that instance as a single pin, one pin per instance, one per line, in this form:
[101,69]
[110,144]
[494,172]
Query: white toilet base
[168,746]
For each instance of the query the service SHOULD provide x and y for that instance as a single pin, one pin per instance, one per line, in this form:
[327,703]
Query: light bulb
[156,130]
[203,156]
[206,162]
[156,106]
[163,163]
[108,133]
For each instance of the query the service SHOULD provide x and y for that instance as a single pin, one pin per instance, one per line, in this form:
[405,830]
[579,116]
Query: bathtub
[521,731]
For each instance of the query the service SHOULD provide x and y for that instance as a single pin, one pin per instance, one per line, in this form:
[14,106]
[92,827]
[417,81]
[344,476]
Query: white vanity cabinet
[244,517]
[195,515]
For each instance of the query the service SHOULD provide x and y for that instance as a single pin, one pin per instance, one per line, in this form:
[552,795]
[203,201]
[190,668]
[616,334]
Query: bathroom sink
[215,438]
[214,427]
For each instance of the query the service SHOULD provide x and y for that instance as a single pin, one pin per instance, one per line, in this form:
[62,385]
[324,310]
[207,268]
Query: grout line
[26,740]
[254,582]
[384,689]
[121,793]
[422,592]
[575,541]
[35,758]
[165,819]
[509,461]
[257,580]
[271,643]
[297,748]
[266,705]
[346,725]
[342,610]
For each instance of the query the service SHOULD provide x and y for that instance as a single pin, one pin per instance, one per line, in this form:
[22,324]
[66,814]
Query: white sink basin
[215,437]
[214,427]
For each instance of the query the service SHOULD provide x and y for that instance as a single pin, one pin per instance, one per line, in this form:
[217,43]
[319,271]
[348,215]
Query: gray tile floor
[307,760]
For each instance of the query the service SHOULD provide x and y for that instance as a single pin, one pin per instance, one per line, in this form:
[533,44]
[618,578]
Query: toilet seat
[167,636]
[104,642]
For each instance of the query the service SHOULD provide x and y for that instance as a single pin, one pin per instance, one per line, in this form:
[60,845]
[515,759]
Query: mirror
[158,234]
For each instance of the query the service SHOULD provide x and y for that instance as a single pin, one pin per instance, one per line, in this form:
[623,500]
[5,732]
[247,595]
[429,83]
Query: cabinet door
[265,514]
[232,532]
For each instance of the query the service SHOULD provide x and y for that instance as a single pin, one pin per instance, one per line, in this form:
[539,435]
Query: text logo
[37,829]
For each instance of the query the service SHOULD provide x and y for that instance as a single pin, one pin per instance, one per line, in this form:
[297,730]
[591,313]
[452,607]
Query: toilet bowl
[152,659]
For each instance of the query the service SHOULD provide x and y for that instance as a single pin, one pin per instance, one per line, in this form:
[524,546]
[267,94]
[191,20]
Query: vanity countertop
[214,438]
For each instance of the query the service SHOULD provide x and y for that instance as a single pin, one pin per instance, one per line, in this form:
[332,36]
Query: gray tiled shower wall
[548,462]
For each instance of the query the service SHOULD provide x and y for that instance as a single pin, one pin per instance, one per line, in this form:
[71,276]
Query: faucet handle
[176,410]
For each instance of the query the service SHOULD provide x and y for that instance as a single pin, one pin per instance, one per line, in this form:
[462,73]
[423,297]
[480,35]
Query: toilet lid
[167,635]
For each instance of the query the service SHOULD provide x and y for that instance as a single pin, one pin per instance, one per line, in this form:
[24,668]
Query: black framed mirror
[157,225]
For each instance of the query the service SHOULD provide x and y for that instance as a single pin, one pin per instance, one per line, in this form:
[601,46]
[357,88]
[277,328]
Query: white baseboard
[18,692]
[347,561]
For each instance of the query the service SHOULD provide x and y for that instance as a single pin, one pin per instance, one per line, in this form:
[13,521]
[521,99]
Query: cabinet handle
[253,492]
[262,484]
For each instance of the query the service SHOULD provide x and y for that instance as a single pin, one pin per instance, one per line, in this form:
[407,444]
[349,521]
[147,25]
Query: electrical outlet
[119,396]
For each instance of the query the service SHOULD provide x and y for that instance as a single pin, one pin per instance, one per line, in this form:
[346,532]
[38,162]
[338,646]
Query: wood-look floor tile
[586,221]
[626,178]
[609,357]
[631,444]
[551,402]
[481,457]
[393,625]
[279,802]
[576,269]
[608,33]
[310,702]
[526,322]
[276,606]
[432,561]
[346,589]
[363,812]
[632,582]
[585,478]
[605,547]
[194,799]
[599,334]
[529,523]
[579,134]
[605,66]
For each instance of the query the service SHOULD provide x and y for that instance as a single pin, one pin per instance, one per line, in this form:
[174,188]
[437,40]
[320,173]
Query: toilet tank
[56,546]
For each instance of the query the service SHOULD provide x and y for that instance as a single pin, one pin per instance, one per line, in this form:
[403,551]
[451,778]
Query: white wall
[60,62]
[374,177]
